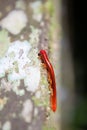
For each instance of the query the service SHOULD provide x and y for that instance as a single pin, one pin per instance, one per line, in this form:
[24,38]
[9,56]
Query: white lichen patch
[3,101]
[42,95]
[18,91]
[6,125]
[26,113]
[14,22]
[2,72]
[20,63]
[34,36]
[36,7]
[33,80]
[34,56]
[35,112]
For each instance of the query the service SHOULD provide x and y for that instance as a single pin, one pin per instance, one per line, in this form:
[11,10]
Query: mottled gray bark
[12,111]
[18,110]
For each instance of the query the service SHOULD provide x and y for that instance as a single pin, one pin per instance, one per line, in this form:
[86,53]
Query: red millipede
[51,78]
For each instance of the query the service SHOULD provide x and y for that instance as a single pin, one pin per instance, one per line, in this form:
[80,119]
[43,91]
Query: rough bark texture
[12,110]
[11,104]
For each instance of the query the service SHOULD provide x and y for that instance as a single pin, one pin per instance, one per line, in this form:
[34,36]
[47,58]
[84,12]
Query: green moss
[42,101]
[50,12]
[16,66]
[36,101]
[4,42]
[44,80]
[49,7]
[48,128]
